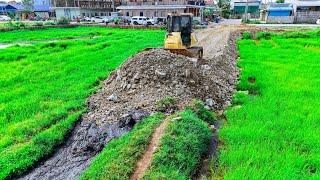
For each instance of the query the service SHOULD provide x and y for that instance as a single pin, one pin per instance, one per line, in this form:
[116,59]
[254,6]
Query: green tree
[208,12]
[224,5]
[225,10]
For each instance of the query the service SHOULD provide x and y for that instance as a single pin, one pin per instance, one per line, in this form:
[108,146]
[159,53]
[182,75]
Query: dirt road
[214,39]
[110,116]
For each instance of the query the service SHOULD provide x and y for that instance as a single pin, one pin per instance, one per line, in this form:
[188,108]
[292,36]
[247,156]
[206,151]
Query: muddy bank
[86,140]
[132,92]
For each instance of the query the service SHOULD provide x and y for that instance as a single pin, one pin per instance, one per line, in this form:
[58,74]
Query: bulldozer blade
[193,52]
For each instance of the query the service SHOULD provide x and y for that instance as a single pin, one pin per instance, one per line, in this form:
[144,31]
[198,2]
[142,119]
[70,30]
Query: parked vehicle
[150,21]
[141,20]
[318,21]
[4,18]
[86,19]
[99,19]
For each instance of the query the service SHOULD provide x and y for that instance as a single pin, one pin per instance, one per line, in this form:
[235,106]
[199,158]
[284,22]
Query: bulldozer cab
[180,38]
[183,24]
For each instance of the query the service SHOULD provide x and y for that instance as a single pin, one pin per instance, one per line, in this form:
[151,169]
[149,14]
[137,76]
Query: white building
[160,8]
[306,11]
[84,8]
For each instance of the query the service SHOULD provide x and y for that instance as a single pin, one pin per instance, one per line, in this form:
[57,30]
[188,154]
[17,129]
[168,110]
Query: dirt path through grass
[146,158]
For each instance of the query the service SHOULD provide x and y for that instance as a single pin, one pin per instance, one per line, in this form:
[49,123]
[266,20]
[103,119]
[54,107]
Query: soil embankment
[131,92]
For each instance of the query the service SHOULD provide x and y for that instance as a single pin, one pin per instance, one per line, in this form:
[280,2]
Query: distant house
[42,8]
[238,7]
[160,8]
[42,11]
[280,13]
[3,9]
[84,8]
[12,10]
[307,11]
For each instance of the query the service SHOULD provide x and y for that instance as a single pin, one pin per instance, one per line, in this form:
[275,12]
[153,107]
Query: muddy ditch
[132,92]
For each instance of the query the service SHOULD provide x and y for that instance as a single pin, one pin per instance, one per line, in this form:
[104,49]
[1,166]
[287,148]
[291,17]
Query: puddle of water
[4,46]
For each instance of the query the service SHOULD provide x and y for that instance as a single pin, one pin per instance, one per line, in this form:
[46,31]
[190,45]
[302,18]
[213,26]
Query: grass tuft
[198,107]
[181,148]
[118,159]
[166,104]
[246,35]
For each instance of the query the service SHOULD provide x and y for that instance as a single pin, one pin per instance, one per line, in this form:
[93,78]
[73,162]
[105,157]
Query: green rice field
[45,77]
[273,127]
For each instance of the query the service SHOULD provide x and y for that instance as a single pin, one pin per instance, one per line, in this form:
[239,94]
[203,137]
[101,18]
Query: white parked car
[151,21]
[318,21]
[141,20]
[4,18]
[99,19]
[87,19]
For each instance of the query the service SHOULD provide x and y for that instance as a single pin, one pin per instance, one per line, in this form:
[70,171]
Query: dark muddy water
[86,141]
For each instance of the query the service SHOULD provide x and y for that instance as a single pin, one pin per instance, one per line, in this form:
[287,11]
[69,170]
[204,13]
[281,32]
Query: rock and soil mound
[152,75]
[132,92]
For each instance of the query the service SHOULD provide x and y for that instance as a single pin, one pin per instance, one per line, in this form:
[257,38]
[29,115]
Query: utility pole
[246,11]
[112,5]
[157,12]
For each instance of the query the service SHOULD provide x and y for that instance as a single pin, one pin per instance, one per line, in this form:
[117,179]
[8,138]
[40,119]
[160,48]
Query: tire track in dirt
[146,158]
[214,40]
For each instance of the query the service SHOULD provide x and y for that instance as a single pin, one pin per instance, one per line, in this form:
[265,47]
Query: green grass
[57,34]
[273,131]
[43,86]
[119,158]
[181,148]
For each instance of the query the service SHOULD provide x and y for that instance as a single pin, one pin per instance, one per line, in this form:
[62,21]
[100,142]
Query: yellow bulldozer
[180,37]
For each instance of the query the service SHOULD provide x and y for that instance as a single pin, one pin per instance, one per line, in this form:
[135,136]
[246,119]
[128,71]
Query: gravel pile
[156,74]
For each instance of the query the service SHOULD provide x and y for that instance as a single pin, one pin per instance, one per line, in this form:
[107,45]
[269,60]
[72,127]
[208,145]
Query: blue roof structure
[19,7]
[10,7]
[41,8]
[280,7]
